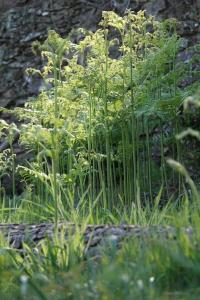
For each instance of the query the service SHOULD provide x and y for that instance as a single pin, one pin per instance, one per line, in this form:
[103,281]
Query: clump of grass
[92,129]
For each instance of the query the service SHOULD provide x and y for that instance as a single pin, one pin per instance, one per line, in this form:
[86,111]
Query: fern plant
[92,128]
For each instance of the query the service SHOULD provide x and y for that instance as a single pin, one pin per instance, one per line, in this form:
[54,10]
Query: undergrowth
[99,134]
[102,126]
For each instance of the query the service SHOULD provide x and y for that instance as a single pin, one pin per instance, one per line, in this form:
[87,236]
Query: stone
[154,7]
[95,238]
[120,5]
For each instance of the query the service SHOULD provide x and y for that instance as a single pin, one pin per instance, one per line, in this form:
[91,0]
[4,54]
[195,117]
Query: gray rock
[96,238]
[154,7]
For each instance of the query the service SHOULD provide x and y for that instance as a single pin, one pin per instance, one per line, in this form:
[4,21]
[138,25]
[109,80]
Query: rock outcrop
[24,21]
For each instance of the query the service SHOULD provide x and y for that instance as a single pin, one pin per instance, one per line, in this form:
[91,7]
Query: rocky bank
[24,21]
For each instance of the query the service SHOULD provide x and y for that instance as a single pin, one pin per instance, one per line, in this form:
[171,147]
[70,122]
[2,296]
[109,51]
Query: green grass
[92,134]
[146,268]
